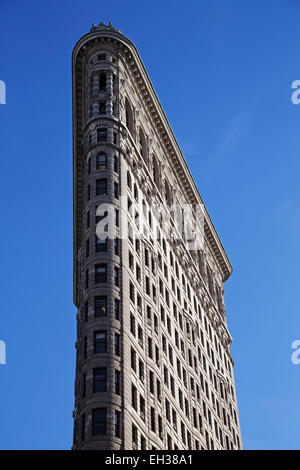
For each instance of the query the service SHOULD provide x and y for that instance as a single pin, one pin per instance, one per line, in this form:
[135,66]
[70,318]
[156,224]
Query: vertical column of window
[109,89]
[102,93]
[95,91]
[89,107]
[115,101]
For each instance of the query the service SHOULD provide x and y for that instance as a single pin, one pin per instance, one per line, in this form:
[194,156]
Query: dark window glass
[116,276]
[116,164]
[99,422]
[101,187]
[116,190]
[100,273]
[101,245]
[100,306]
[117,423]
[100,342]
[102,135]
[99,379]
[102,107]
[117,309]
[102,81]
[117,344]
[116,246]
[117,382]
[101,161]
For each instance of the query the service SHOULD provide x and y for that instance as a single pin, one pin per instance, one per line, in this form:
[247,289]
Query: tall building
[153,362]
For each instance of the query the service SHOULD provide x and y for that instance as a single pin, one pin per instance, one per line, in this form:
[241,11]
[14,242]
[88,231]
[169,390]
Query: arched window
[155,171]
[102,82]
[129,116]
[142,142]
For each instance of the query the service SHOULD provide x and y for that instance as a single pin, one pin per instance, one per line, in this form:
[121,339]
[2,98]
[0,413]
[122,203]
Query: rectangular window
[151,381]
[131,292]
[100,342]
[116,246]
[101,161]
[116,190]
[117,344]
[133,359]
[117,423]
[143,443]
[100,306]
[134,436]
[102,135]
[99,422]
[101,245]
[117,385]
[101,187]
[150,352]
[116,164]
[100,273]
[134,396]
[152,419]
[99,379]
[116,277]
[102,107]
[117,309]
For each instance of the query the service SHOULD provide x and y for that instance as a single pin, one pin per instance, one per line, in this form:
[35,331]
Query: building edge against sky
[153,362]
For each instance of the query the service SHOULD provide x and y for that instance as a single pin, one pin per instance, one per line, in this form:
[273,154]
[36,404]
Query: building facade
[153,362]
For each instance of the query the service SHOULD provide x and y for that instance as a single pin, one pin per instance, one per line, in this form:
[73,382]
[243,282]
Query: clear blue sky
[223,72]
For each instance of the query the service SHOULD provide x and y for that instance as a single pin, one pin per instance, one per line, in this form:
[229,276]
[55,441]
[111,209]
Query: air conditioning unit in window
[149,321]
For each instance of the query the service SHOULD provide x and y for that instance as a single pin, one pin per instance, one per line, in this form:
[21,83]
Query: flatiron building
[153,362]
